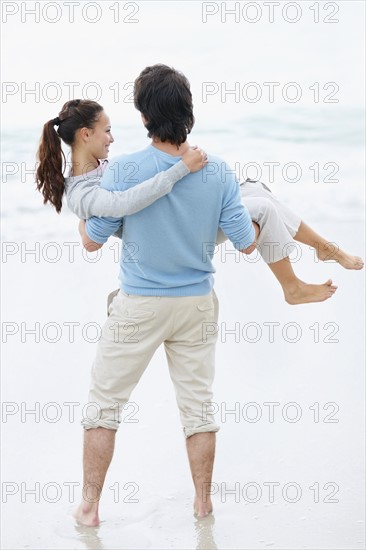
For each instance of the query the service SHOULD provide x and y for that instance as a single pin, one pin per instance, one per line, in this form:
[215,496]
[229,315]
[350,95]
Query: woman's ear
[144,119]
[84,134]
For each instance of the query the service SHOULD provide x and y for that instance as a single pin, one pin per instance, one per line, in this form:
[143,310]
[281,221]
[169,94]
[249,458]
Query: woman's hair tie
[56,121]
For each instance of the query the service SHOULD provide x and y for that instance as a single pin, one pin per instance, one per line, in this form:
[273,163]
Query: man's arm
[253,246]
[235,220]
[90,245]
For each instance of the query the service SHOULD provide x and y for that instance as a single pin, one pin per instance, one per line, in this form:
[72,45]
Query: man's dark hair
[163,96]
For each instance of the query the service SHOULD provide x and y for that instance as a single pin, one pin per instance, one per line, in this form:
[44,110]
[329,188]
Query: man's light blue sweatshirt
[168,247]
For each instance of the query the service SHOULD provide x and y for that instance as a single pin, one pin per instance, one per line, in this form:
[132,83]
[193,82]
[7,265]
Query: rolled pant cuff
[108,424]
[188,432]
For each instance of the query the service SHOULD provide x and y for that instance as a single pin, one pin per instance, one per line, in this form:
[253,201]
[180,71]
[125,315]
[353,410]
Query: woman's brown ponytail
[49,177]
[75,114]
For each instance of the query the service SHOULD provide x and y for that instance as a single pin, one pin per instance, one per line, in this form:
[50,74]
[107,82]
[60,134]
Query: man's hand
[253,246]
[195,159]
[90,245]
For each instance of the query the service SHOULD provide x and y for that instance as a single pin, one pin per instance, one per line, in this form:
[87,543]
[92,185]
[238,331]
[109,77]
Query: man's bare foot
[332,252]
[86,516]
[302,293]
[202,509]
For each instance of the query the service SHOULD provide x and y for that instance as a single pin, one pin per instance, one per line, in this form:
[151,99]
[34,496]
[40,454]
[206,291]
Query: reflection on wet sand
[204,528]
[89,536]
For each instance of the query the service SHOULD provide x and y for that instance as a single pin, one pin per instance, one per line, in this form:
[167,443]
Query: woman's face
[100,137]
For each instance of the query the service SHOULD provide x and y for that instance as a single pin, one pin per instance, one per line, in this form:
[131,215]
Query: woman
[84,126]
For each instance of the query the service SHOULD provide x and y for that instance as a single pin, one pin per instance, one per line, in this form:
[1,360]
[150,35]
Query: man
[166,284]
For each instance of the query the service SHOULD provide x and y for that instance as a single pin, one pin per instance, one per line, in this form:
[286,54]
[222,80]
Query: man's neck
[170,148]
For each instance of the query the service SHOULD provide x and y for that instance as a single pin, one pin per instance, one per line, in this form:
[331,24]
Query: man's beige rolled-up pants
[135,328]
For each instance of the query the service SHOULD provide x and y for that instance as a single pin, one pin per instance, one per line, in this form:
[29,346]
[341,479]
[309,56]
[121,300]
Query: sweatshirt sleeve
[235,220]
[92,200]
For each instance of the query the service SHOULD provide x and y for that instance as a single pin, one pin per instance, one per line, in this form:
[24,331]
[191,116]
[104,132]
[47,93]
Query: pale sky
[48,57]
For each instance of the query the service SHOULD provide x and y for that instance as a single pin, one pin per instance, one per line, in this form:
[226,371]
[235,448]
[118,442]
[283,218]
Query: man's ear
[144,119]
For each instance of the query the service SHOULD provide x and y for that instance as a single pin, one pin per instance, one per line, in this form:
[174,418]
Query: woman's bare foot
[302,293]
[332,252]
[86,515]
[202,509]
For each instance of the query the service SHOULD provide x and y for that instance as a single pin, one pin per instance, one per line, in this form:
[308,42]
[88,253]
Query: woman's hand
[195,159]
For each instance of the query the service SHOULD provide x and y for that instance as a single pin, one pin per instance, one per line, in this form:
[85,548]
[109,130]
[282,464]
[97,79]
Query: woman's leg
[295,290]
[326,250]
[289,219]
[274,244]
[301,232]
